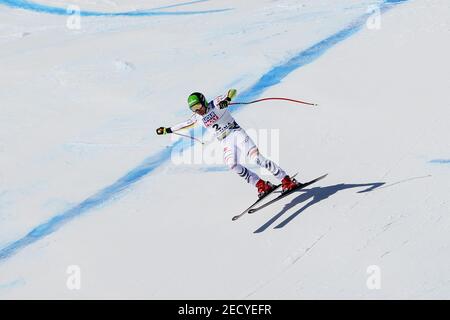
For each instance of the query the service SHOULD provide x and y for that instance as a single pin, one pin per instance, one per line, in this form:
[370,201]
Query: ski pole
[285,99]
[186,136]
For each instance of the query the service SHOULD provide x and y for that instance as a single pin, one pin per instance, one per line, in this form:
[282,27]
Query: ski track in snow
[292,259]
[33,6]
[111,192]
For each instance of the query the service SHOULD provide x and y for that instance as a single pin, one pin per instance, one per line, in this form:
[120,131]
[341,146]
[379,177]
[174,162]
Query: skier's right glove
[162,130]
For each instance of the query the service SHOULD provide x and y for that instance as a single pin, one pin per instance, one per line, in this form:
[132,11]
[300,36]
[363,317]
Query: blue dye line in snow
[278,73]
[33,6]
[273,77]
[440,161]
[12,284]
[214,169]
[108,193]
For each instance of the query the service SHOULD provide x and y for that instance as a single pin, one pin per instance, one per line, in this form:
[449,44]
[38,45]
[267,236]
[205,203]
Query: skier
[233,138]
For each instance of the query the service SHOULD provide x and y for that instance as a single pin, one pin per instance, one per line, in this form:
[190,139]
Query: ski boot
[264,187]
[288,184]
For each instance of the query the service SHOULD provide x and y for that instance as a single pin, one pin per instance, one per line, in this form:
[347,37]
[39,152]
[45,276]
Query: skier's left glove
[162,130]
[230,95]
[224,103]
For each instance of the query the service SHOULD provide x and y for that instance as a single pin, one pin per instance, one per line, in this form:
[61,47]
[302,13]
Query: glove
[230,95]
[224,103]
[162,130]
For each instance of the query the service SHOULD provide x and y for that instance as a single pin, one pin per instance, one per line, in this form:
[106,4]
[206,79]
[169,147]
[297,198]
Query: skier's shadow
[316,195]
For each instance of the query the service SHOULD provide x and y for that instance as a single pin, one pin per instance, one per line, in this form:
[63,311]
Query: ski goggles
[196,107]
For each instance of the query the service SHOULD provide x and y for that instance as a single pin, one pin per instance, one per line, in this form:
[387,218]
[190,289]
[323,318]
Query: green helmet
[196,98]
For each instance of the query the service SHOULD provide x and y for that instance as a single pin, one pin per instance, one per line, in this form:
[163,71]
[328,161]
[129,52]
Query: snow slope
[85,181]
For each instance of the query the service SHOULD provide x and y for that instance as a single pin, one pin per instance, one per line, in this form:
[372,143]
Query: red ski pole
[285,99]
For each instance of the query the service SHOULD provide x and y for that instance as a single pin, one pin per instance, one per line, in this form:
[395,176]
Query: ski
[257,201]
[300,186]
